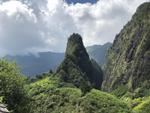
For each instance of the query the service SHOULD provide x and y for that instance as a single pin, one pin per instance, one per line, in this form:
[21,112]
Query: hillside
[47,95]
[128,66]
[74,82]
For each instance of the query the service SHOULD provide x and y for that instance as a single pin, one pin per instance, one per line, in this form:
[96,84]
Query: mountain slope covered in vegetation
[77,68]
[32,65]
[128,66]
[75,87]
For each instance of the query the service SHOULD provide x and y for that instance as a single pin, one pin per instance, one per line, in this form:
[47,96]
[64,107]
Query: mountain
[128,66]
[36,64]
[77,68]
[31,65]
[98,52]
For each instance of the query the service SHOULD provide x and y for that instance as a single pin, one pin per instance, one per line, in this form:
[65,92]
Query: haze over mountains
[45,61]
[99,52]
[37,64]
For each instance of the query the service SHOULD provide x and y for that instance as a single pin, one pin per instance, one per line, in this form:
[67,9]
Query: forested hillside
[79,85]
[128,65]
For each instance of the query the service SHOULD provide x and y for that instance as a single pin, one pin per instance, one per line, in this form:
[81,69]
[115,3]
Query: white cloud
[42,25]
[99,23]
[19,30]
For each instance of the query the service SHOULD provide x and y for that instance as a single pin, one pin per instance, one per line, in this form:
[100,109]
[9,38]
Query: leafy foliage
[100,102]
[129,57]
[143,107]
[12,86]
[70,89]
[47,98]
[72,100]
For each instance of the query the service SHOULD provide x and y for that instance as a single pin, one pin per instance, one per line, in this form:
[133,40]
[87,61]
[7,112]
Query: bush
[143,107]
[101,102]
[12,86]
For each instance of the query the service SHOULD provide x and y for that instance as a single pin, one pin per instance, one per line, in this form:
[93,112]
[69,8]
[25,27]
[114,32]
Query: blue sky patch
[81,1]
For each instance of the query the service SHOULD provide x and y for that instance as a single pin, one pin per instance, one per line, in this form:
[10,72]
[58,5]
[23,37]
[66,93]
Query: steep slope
[128,65]
[98,52]
[77,67]
[31,65]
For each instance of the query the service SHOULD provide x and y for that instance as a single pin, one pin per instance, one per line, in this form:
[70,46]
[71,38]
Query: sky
[81,1]
[30,26]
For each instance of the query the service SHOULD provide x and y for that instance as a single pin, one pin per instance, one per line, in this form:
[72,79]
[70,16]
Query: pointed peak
[75,37]
[75,45]
[142,12]
[144,6]
[77,67]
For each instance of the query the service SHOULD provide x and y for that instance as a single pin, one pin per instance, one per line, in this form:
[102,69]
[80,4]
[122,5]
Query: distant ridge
[44,61]
[99,52]
[33,65]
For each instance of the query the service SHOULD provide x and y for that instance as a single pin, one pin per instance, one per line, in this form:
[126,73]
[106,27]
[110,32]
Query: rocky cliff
[128,65]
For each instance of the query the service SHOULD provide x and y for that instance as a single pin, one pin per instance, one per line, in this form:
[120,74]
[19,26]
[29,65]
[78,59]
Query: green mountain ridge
[75,87]
[45,61]
[128,65]
[77,67]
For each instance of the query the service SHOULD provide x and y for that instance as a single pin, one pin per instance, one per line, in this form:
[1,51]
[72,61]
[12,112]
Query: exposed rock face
[129,57]
[77,67]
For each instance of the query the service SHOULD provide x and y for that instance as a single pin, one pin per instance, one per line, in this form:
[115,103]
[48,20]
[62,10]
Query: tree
[12,86]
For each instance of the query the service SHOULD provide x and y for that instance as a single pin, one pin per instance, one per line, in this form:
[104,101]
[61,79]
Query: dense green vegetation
[75,86]
[77,68]
[72,100]
[12,91]
[128,63]
[47,95]
[143,107]
[100,102]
